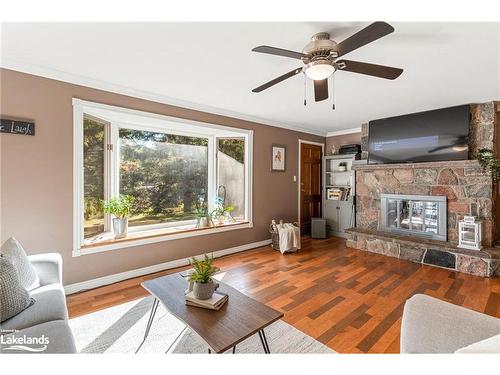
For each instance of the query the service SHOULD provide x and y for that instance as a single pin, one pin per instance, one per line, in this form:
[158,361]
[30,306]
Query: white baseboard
[110,279]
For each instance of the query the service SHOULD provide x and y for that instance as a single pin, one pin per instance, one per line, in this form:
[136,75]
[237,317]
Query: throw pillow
[14,298]
[14,252]
[487,346]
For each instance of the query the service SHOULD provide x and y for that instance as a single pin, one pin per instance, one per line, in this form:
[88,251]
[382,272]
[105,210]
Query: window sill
[107,242]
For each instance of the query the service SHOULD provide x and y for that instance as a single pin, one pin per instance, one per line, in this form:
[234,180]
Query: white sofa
[48,315]
[430,325]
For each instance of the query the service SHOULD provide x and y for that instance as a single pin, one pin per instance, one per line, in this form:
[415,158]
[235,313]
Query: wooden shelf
[338,213]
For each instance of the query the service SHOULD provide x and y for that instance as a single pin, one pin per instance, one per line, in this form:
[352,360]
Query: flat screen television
[437,135]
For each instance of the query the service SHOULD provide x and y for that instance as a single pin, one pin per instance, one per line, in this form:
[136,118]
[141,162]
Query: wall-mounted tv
[437,135]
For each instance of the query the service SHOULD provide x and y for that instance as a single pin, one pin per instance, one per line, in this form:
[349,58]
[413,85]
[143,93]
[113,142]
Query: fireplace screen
[414,214]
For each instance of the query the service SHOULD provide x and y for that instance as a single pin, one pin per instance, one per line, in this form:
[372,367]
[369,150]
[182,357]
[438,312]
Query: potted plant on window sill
[203,217]
[204,220]
[221,213]
[342,166]
[200,277]
[120,208]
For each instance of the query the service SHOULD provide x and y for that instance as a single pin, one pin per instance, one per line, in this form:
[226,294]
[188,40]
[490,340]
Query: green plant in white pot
[203,217]
[342,166]
[120,208]
[201,277]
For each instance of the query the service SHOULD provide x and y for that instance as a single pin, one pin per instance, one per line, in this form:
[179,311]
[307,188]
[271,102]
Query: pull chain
[305,92]
[333,91]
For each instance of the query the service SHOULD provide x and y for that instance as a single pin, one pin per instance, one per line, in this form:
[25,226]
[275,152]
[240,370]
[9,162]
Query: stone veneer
[469,191]
[485,263]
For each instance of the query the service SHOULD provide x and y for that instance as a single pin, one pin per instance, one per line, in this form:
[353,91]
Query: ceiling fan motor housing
[320,47]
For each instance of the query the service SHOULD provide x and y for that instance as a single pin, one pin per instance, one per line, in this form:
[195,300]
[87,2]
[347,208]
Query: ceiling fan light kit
[320,59]
[318,70]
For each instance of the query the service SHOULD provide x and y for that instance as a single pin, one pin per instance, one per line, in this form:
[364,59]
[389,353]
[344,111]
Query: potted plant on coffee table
[120,208]
[201,276]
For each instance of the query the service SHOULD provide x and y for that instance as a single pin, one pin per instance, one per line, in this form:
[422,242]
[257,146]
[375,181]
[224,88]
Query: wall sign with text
[17,127]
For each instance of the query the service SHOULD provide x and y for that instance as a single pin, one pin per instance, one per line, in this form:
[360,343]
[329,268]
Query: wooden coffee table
[239,318]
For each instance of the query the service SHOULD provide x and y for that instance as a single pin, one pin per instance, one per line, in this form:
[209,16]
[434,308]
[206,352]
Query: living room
[252,187]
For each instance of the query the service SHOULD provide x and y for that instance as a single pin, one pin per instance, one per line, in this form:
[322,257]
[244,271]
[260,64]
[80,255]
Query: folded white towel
[289,237]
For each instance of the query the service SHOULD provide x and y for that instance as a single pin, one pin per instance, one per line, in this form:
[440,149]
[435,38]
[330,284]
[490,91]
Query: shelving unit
[339,214]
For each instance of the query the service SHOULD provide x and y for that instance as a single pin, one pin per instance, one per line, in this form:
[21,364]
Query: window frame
[108,165]
[119,117]
[216,147]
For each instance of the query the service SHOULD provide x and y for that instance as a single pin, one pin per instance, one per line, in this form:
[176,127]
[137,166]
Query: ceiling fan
[321,59]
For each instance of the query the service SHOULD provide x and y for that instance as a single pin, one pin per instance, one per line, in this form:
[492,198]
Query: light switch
[294,178]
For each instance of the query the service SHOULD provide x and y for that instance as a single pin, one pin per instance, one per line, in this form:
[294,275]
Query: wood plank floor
[348,299]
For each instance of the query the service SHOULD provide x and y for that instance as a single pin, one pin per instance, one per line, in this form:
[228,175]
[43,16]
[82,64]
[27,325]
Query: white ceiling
[210,66]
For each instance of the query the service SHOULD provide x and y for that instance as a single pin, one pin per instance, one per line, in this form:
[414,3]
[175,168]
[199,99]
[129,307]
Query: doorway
[310,171]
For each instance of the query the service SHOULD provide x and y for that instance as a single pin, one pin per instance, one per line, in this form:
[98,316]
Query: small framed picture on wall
[278,161]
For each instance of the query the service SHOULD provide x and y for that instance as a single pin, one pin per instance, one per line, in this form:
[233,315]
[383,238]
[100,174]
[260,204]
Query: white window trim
[131,118]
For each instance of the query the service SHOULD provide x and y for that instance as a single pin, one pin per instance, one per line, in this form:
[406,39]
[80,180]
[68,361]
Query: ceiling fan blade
[369,34]
[320,90]
[380,71]
[439,149]
[277,80]
[279,52]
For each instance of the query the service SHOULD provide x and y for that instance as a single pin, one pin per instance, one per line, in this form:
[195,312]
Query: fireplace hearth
[411,212]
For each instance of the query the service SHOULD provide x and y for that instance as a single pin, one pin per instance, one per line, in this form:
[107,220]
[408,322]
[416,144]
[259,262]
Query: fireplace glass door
[420,215]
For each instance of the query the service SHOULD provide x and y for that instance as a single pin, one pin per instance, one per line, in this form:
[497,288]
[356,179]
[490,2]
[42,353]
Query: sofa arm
[48,267]
[430,325]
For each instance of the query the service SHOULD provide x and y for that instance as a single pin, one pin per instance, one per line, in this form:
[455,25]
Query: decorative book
[338,194]
[214,303]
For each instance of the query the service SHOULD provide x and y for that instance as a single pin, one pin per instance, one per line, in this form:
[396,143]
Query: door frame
[301,141]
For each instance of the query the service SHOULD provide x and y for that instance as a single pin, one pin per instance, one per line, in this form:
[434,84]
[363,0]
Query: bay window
[170,166]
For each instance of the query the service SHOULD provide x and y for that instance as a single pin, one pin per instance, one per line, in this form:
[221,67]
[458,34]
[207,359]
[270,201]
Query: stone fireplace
[411,211]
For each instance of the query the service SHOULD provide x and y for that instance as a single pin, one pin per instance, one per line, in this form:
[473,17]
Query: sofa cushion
[487,346]
[13,297]
[50,337]
[50,304]
[430,325]
[15,253]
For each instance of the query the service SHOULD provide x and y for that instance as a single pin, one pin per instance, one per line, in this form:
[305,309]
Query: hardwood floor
[348,299]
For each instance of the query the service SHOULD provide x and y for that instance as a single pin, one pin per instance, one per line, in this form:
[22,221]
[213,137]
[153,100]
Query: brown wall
[36,178]
[339,140]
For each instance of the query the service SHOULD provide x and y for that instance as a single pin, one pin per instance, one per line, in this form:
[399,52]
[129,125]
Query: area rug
[120,329]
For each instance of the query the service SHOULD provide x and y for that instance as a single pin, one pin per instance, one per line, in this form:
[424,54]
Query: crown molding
[80,80]
[342,132]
